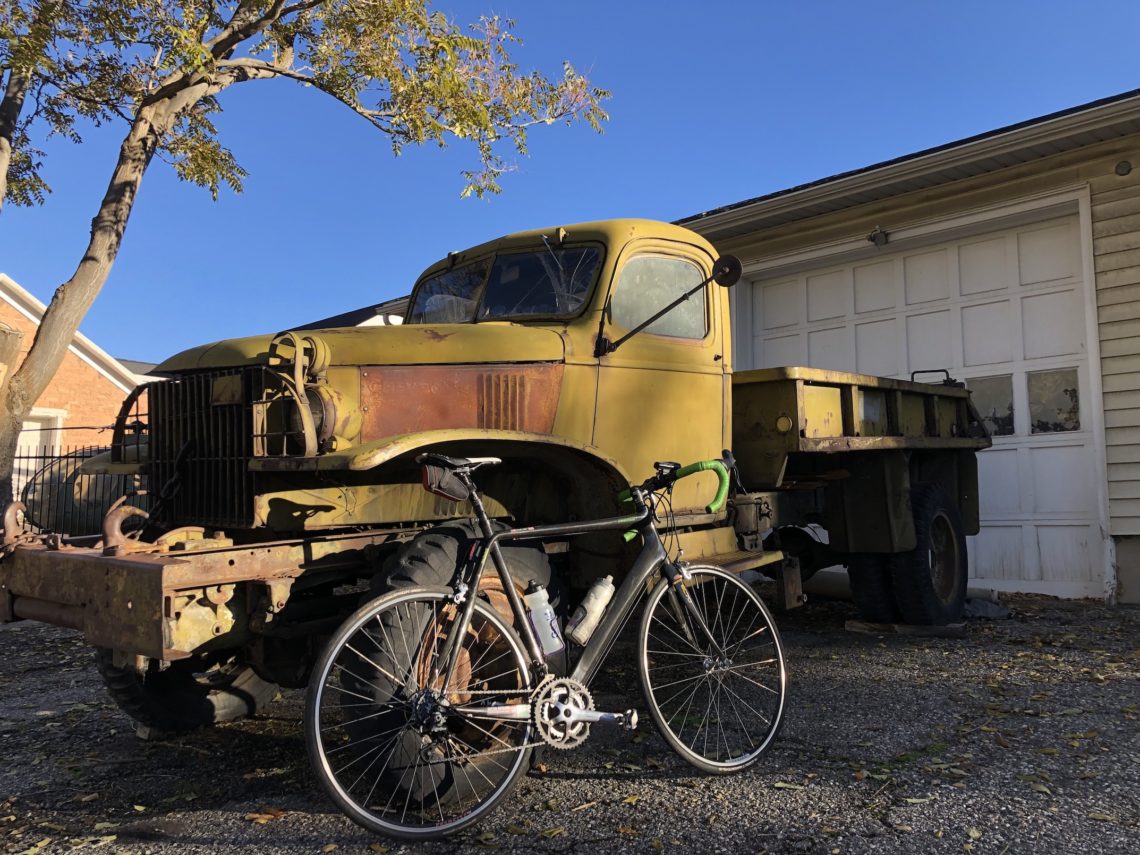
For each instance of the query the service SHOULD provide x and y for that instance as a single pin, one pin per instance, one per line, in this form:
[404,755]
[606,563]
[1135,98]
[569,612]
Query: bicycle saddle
[434,458]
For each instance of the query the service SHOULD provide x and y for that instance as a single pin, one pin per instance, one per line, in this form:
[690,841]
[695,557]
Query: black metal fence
[57,476]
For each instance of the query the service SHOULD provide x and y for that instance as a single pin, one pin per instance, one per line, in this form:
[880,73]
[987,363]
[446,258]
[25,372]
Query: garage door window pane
[648,284]
[993,396]
[1054,401]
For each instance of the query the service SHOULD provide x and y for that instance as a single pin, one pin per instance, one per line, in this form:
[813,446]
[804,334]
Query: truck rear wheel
[870,576]
[930,581]
[188,694]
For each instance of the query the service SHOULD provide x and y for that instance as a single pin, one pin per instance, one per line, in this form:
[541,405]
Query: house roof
[1086,124]
[381,314]
[137,367]
[83,347]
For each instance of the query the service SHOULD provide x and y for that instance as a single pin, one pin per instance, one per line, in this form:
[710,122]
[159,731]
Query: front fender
[542,478]
[586,473]
[380,451]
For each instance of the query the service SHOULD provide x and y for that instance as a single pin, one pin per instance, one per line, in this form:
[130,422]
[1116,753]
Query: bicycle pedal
[629,720]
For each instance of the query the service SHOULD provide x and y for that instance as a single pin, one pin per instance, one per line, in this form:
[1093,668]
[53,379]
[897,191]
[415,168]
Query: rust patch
[403,399]
[436,335]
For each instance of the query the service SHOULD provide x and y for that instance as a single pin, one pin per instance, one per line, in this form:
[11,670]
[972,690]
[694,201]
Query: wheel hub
[942,558]
[426,711]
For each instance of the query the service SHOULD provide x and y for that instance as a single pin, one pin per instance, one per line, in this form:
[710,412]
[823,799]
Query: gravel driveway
[1023,737]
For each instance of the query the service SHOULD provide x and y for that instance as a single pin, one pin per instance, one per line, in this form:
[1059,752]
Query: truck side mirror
[727,270]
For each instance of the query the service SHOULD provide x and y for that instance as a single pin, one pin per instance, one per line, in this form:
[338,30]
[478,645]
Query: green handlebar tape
[625,496]
[721,471]
[629,535]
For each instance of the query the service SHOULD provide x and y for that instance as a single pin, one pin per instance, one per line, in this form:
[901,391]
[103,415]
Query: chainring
[548,699]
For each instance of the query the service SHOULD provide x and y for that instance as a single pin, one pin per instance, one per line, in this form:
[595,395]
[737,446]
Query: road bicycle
[426,704]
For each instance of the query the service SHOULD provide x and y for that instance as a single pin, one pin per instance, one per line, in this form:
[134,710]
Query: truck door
[661,395]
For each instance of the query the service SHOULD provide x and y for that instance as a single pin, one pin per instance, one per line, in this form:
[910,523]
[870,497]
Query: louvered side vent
[502,402]
[201,440]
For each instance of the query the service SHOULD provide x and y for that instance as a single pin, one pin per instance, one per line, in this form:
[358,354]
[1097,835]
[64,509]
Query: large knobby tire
[186,695]
[871,586]
[930,581]
[432,558]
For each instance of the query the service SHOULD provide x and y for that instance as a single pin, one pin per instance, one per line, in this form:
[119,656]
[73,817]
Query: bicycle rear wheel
[389,747]
[718,705]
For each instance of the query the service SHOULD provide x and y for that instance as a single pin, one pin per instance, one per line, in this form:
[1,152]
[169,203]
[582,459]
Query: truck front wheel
[433,556]
[186,695]
[930,580]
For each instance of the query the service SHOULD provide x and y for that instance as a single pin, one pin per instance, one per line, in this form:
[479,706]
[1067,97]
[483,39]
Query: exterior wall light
[879,237]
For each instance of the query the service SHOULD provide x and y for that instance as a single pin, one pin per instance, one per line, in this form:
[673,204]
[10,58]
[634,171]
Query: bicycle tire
[433,780]
[681,674]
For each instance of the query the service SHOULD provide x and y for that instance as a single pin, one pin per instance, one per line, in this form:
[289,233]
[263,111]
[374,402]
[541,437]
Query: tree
[160,65]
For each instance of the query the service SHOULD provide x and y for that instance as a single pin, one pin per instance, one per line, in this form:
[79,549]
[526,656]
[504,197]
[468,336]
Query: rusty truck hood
[414,344]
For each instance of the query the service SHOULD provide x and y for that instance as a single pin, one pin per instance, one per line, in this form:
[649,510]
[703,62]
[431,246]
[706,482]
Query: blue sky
[712,103]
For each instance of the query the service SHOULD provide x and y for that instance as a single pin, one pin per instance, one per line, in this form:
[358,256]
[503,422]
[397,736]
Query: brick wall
[87,396]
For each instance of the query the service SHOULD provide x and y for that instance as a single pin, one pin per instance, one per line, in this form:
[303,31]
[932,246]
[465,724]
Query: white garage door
[1006,313]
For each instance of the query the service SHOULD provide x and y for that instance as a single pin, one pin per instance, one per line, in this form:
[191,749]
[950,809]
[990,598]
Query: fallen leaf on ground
[378,848]
[265,815]
[329,847]
[784,785]
[626,829]
[1102,817]
[974,833]
[515,829]
[554,832]
[631,800]
[582,806]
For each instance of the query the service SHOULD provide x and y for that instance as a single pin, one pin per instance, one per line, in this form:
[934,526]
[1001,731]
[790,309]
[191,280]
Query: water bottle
[543,619]
[585,619]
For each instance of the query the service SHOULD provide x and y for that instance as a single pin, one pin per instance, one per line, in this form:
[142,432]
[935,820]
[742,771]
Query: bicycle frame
[650,560]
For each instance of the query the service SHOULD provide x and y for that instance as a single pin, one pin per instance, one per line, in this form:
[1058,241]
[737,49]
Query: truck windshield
[550,282]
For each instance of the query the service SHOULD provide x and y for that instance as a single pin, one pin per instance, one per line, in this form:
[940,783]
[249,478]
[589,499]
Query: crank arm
[494,712]
[572,715]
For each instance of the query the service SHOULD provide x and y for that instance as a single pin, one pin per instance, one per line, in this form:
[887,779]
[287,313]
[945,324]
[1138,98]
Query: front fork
[682,605]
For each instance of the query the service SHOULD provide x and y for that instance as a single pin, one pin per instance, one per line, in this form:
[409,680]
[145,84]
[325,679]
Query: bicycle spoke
[708,703]
[390,747]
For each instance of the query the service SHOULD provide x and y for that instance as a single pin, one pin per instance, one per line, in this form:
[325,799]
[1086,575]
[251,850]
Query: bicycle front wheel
[387,741]
[717,696]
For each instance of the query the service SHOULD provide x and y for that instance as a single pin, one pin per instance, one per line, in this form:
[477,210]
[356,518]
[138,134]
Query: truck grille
[200,430]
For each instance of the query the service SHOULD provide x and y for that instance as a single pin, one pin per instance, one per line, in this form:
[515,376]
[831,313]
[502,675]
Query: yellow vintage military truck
[281,484]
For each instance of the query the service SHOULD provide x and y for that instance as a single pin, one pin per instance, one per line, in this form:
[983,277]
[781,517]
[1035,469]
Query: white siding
[1116,250]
